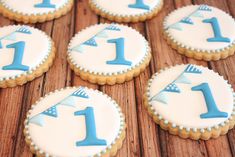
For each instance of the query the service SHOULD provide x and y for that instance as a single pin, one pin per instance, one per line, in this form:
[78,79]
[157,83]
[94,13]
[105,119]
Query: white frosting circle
[120,7]
[37,49]
[58,135]
[94,58]
[27,6]
[184,108]
[195,35]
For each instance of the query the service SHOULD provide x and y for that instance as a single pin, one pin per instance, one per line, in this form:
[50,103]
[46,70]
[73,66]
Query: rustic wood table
[144,137]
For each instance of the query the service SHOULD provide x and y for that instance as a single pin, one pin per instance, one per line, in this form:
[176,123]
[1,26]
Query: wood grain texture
[144,137]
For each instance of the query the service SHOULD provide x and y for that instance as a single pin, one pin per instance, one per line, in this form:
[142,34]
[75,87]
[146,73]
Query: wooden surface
[144,137]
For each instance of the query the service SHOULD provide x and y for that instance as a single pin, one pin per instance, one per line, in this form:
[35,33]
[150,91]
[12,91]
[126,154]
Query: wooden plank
[149,142]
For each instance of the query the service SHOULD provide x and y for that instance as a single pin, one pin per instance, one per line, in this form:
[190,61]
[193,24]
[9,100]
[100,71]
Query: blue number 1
[18,57]
[217,33]
[91,137]
[139,4]
[45,4]
[120,59]
[213,111]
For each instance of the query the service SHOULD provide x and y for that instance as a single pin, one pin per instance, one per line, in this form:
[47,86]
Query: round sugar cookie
[201,31]
[191,101]
[108,53]
[75,122]
[32,11]
[25,53]
[126,10]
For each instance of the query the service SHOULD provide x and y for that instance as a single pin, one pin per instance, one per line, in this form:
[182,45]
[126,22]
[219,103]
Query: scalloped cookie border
[34,18]
[110,151]
[181,131]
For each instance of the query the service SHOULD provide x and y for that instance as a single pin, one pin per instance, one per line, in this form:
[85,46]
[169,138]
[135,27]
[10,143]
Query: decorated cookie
[108,53]
[75,122]
[25,53]
[191,101]
[126,10]
[201,32]
[32,11]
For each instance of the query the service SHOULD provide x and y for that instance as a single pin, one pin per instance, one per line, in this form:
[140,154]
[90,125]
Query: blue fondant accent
[90,42]
[18,57]
[213,111]
[91,136]
[176,26]
[172,88]
[182,79]
[69,101]
[216,29]
[120,58]
[204,8]
[139,4]
[192,69]
[81,93]
[45,4]
[78,48]
[38,120]
[197,14]
[24,30]
[187,20]
[112,27]
[102,34]
[52,112]
[161,97]
[11,37]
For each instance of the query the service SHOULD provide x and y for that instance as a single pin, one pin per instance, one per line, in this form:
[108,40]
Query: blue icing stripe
[24,30]
[172,88]
[52,112]
[81,93]
[113,28]
[204,8]
[139,4]
[187,20]
[192,69]
[90,42]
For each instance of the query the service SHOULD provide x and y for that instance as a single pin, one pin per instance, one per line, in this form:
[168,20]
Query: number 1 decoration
[18,57]
[216,29]
[139,4]
[45,4]
[91,137]
[120,58]
[213,111]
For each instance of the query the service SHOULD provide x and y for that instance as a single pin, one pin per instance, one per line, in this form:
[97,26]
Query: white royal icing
[37,49]
[27,6]
[195,36]
[120,7]
[184,109]
[93,59]
[58,135]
